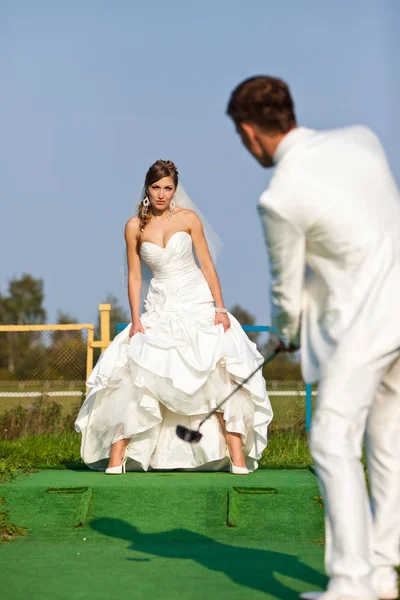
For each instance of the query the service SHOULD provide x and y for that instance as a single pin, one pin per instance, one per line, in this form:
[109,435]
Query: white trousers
[362,538]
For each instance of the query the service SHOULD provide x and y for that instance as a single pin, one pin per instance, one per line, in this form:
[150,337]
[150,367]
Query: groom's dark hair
[264,101]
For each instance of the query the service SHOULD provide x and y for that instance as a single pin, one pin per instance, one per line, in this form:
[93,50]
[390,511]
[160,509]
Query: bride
[178,359]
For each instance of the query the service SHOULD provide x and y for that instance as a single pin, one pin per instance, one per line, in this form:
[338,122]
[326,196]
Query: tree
[22,306]
[245,318]
[24,303]
[4,354]
[64,318]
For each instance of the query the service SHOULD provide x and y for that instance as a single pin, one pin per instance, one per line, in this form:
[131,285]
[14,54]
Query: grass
[8,530]
[42,450]
[10,468]
[26,401]
[285,449]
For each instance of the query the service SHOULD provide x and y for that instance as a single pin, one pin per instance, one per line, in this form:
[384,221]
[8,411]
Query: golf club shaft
[240,385]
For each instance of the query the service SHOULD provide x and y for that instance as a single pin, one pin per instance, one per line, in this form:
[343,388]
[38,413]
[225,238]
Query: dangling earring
[171,208]
[146,204]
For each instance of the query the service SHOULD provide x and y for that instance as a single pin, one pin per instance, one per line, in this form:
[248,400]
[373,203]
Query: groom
[333,206]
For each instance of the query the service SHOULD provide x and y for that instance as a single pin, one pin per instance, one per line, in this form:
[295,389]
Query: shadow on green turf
[250,567]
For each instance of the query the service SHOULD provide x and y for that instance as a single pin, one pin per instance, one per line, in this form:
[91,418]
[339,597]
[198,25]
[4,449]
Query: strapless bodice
[175,259]
[177,282]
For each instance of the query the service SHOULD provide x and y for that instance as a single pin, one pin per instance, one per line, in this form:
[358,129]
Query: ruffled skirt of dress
[174,374]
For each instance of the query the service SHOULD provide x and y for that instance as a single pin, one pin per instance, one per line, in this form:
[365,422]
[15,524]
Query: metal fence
[42,377]
[43,370]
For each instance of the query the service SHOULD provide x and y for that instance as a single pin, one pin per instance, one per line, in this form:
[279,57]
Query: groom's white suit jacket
[331,217]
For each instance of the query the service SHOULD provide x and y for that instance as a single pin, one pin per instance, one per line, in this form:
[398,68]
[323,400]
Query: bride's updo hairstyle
[157,171]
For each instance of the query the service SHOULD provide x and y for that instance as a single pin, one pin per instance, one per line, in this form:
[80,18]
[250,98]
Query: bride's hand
[136,327]
[223,319]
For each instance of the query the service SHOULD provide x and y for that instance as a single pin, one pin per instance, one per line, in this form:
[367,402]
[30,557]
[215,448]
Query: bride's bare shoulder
[189,216]
[132,227]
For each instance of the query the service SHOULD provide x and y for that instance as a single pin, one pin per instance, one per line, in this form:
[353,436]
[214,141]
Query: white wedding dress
[177,371]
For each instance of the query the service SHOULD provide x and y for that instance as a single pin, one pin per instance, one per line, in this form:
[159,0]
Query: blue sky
[94,91]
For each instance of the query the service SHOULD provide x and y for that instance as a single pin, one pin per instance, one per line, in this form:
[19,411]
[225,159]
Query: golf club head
[188,435]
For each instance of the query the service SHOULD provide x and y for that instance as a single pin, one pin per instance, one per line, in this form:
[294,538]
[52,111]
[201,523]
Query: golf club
[192,436]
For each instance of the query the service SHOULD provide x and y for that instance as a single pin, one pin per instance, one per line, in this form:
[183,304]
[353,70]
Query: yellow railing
[103,343]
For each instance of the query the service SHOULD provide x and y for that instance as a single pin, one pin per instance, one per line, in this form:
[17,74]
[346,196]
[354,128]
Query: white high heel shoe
[238,470]
[233,468]
[118,470]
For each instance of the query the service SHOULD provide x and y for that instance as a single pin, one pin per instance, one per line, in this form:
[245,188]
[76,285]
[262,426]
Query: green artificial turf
[163,535]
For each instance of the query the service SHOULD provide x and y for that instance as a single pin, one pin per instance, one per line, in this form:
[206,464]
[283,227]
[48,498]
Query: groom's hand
[292,348]
[276,344]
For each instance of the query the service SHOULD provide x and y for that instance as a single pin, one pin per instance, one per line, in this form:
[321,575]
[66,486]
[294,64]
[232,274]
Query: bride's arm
[207,266]
[134,273]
